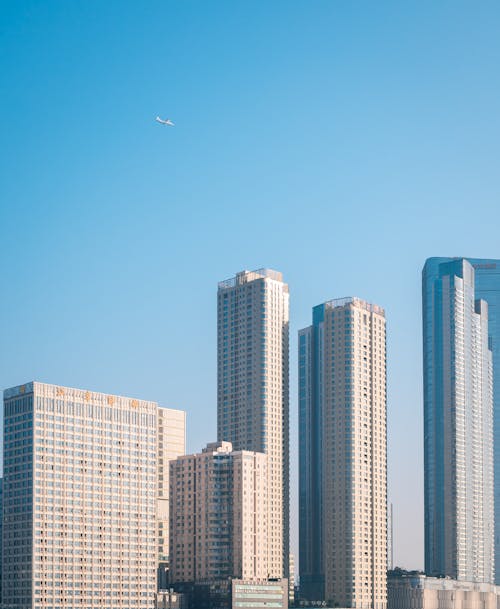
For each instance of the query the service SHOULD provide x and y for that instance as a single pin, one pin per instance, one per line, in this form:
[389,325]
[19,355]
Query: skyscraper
[458,424]
[487,287]
[342,455]
[252,387]
[80,499]
[218,516]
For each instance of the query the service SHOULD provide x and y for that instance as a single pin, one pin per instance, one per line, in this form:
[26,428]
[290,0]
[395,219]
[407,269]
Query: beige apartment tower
[218,516]
[343,464]
[252,388]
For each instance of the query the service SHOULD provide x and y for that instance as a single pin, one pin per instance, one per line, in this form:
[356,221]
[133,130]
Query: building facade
[261,594]
[169,599]
[413,590]
[487,287]
[79,526]
[291,580]
[342,455]
[458,425]
[252,388]
[171,444]
[218,516]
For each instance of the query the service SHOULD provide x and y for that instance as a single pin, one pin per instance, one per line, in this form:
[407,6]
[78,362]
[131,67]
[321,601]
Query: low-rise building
[414,590]
[252,594]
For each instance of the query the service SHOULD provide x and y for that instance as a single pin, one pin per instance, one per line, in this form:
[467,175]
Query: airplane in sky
[165,122]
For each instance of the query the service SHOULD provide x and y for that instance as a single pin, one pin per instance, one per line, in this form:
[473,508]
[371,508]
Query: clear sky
[339,142]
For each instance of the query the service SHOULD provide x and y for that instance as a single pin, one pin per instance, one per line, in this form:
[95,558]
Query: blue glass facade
[310,458]
[452,291]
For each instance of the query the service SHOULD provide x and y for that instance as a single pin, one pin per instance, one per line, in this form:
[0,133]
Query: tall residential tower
[252,388]
[342,455]
[458,425]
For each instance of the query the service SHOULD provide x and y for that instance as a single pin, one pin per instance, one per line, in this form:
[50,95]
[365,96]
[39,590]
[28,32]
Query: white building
[458,425]
[80,499]
[252,403]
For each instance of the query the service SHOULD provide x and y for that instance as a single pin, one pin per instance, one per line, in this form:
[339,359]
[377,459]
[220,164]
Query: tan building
[343,466]
[171,444]
[410,590]
[80,499]
[218,515]
[252,403]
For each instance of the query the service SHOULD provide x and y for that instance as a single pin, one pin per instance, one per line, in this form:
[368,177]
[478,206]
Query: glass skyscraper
[458,419]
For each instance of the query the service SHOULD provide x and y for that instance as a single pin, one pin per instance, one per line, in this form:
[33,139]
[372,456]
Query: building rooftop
[357,302]
[247,276]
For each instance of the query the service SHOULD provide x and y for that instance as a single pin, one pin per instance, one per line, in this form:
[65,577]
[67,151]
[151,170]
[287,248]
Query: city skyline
[338,143]
[475,260]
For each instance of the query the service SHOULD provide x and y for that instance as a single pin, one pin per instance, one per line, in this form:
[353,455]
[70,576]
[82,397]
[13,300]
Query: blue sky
[339,142]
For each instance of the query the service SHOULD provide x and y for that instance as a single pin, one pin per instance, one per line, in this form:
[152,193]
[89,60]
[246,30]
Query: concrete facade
[171,444]
[253,387]
[80,499]
[343,462]
[218,516]
[259,594]
[416,591]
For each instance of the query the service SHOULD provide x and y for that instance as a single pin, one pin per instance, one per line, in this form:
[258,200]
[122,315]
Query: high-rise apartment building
[458,425]
[342,455]
[218,516]
[171,444]
[80,499]
[487,287]
[252,389]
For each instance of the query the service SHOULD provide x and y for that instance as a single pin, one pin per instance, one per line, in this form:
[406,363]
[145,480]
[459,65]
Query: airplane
[163,122]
